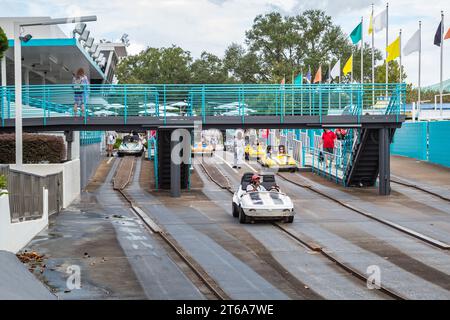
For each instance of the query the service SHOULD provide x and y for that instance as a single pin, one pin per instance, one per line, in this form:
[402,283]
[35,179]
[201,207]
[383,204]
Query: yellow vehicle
[201,149]
[280,160]
[252,152]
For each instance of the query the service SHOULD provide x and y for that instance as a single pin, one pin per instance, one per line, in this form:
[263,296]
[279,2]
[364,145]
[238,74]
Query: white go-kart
[249,206]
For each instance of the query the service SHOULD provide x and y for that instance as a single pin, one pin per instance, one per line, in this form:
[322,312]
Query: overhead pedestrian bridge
[373,111]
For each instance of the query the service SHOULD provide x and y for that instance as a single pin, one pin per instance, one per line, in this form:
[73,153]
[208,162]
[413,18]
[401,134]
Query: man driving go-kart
[255,185]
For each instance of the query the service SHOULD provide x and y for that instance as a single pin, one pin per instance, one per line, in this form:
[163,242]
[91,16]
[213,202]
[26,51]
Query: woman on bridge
[80,81]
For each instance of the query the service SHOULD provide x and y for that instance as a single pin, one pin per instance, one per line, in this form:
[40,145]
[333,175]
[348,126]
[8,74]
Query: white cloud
[211,25]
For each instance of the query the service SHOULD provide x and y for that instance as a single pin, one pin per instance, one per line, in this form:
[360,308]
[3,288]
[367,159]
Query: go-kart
[262,205]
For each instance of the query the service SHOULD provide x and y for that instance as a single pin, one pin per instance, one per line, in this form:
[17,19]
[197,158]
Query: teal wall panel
[439,148]
[411,140]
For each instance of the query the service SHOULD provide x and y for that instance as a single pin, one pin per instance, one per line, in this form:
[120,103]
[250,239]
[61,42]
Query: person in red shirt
[328,139]
[340,133]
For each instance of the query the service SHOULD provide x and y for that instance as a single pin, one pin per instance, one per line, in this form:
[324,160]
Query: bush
[36,148]
[118,143]
[3,185]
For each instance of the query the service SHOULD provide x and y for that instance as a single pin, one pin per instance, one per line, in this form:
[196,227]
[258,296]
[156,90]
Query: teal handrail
[204,100]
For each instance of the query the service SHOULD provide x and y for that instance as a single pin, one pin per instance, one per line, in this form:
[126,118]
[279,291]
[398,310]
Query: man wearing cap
[255,185]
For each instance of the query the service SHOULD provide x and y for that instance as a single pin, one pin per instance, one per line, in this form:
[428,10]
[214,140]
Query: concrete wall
[90,157]
[14,236]
[71,176]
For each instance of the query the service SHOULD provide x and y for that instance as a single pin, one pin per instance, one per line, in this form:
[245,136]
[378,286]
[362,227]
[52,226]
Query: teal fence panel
[411,140]
[439,145]
[90,137]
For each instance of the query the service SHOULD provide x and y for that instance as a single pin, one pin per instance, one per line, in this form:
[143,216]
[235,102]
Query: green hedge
[118,143]
[36,148]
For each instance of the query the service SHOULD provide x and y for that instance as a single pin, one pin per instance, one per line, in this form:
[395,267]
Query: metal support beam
[224,136]
[175,171]
[18,94]
[69,140]
[384,187]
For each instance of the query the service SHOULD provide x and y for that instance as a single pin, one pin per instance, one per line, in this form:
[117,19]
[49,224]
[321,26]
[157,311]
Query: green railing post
[165,101]
[157,104]
[320,103]
[125,101]
[303,155]
[85,103]
[203,104]
[44,105]
[145,101]
[242,104]
[2,96]
[360,104]
[8,97]
[155,162]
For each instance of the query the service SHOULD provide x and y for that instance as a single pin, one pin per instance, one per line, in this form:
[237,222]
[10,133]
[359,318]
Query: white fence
[14,236]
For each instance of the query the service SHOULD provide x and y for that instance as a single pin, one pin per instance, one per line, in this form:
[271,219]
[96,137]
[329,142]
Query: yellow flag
[348,66]
[393,50]
[371,24]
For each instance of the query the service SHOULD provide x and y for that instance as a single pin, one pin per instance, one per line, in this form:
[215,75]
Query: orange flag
[318,77]
[447,35]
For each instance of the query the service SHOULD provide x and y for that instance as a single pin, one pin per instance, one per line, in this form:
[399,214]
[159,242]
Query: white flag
[379,21]
[413,44]
[336,71]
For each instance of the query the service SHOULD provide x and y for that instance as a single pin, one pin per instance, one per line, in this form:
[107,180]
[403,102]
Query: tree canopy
[275,47]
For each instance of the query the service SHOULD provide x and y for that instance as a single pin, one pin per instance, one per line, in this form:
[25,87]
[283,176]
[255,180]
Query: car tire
[242,216]
[235,210]
[120,155]
[290,219]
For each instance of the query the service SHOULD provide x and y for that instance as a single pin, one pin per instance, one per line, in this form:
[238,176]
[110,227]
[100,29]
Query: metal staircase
[363,162]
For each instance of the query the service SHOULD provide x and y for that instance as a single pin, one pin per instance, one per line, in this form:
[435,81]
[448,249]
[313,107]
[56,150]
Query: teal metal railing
[203,101]
[90,137]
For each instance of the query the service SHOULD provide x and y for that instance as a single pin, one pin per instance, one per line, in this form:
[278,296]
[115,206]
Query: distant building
[437,87]
[51,56]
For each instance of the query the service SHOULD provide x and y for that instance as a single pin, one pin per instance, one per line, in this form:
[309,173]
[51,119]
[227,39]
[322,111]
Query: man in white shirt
[255,185]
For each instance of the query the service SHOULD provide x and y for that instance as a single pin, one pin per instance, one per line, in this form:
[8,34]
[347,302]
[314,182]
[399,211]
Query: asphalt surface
[408,266]
[205,242]
[118,257]
[17,283]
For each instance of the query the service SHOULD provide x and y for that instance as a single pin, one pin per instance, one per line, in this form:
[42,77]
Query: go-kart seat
[268,181]
[246,180]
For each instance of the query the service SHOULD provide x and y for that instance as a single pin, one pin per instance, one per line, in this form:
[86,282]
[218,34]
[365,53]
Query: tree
[287,45]
[394,73]
[156,65]
[208,69]
[242,66]
[3,43]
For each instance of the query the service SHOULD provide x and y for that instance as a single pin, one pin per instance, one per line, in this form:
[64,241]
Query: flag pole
[400,38]
[339,84]
[420,67]
[401,77]
[362,50]
[441,88]
[373,62]
[387,44]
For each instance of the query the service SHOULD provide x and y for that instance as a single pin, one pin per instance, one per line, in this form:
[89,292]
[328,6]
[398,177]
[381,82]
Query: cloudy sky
[211,25]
